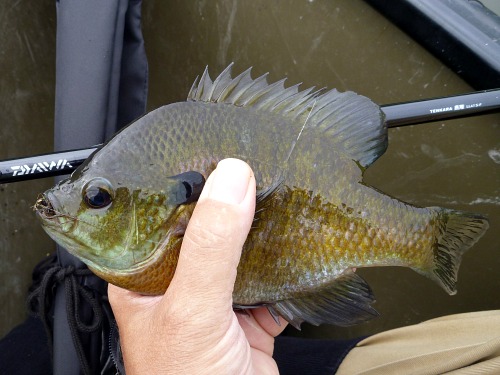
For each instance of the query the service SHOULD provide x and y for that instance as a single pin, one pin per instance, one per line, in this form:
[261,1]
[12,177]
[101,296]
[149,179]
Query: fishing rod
[401,114]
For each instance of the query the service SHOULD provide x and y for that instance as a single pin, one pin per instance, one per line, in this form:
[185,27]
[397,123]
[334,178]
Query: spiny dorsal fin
[353,122]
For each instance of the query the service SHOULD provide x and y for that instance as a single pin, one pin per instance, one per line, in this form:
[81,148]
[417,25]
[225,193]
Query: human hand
[192,328]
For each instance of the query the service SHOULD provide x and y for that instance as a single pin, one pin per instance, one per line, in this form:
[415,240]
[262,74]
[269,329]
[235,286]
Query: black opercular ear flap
[189,188]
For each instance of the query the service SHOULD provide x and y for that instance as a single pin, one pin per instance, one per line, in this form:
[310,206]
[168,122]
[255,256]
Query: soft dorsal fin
[353,122]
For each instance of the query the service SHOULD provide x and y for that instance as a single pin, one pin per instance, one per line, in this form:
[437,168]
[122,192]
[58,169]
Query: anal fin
[345,302]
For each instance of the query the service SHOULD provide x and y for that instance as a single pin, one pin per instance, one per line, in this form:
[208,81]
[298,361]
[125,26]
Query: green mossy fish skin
[315,219]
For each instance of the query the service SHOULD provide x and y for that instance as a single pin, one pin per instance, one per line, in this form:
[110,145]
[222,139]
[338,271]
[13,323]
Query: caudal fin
[459,231]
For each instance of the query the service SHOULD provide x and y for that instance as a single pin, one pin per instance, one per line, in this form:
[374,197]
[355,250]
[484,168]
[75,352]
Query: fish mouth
[44,208]
[48,211]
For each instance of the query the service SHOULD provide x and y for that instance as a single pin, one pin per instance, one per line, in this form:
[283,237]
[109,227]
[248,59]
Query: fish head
[114,225]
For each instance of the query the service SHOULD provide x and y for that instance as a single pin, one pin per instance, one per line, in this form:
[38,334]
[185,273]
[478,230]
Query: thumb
[212,244]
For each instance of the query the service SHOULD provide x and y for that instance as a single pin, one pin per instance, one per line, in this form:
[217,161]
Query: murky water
[27,73]
[324,43]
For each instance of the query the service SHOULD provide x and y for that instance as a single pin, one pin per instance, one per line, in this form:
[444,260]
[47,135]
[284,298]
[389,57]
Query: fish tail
[458,231]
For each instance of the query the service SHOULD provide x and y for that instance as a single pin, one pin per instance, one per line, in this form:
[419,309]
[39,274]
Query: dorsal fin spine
[253,89]
[256,100]
[299,102]
[238,89]
[283,96]
[205,87]
[221,83]
[194,88]
[267,98]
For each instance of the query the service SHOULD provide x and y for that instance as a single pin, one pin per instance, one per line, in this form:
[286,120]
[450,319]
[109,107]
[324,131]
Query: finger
[123,299]
[119,297]
[211,248]
[264,318]
[130,308]
[260,328]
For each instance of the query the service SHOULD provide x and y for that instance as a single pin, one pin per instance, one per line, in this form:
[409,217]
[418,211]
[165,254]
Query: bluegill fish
[125,210]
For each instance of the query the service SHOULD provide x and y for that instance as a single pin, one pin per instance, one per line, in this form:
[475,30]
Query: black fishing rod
[401,114]
[450,107]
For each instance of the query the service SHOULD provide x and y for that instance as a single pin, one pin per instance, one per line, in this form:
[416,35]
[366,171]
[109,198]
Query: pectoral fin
[347,301]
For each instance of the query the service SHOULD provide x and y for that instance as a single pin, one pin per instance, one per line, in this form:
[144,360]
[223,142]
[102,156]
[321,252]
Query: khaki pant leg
[456,344]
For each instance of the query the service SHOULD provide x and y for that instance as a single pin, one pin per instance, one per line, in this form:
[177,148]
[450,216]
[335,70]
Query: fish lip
[47,208]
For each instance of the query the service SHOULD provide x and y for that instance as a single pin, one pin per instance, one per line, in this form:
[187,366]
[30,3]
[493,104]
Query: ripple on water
[494,155]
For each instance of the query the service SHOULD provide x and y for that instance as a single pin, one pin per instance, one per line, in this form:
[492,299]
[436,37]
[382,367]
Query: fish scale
[315,223]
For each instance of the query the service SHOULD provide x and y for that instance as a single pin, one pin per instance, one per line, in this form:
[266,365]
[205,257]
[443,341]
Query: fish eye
[98,193]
